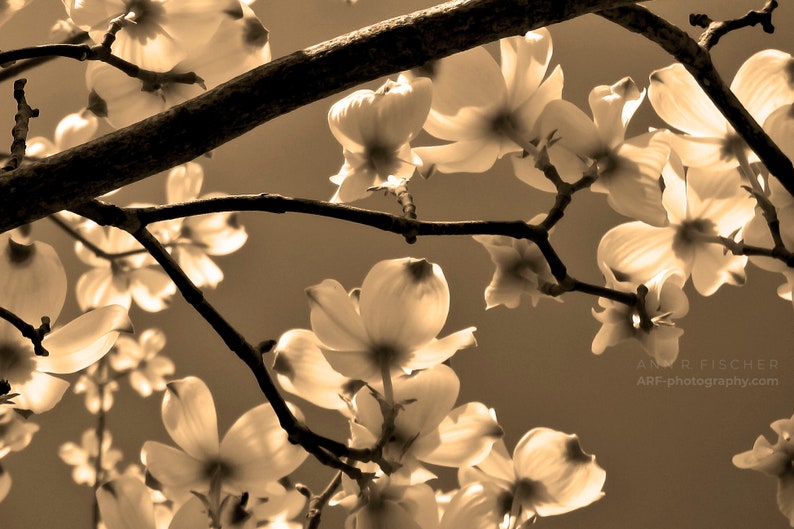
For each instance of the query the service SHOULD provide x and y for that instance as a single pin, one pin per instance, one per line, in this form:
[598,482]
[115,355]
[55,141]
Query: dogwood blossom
[120,280]
[483,110]
[776,460]
[780,126]
[665,301]
[383,504]
[191,241]
[701,206]
[83,457]
[549,474]
[390,325]
[97,387]
[253,453]
[162,32]
[74,129]
[521,270]
[375,129]
[301,369]
[32,278]
[239,44]
[426,427]
[146,368]
[763,84]
[628,169]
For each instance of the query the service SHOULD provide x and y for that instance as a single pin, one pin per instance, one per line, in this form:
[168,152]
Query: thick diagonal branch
[206,122]
[697,61]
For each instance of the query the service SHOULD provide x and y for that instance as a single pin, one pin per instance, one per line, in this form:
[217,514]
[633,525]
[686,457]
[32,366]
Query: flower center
[217,469]
[17,362]
[148,15]
[690,232]
[732,145]
[503,124]
[379,159]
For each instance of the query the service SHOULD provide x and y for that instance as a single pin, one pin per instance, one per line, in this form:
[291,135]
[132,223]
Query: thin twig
[34,334]
[697,61]
[14,71]
[326,450]
[716,29]
[391,46]
[21,126]
[317,503]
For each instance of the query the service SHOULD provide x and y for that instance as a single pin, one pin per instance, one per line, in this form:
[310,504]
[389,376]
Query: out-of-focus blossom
[16,432]
[301,369]
[701,206]
[426,427]
[375,129]
[240,43]
[279,508]
[73,130]
[628,169]
[161,32]
[7,10]
[776,460]
[253,453]
[98,388]
[665,301]
[123,279]
[521,270]
[140,359]
[191,241]
[390,327]
[386,505]
[763,84]
[83,457]
[549,474]
[482,109]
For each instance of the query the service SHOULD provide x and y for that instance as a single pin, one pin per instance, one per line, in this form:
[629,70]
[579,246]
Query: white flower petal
[125,503]
[189,417]
[437,351]
[84,340]
[335,319]
[258,451]
[176,471]
[765,82]
[40,393]
[463,438]
[679,101]
[404,303]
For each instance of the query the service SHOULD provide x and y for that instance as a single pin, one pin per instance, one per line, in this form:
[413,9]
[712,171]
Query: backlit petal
[679,101]
[84,340]
[404,303]
[189,417]
[258,451]
[125,503]
[463,438]
[335,318]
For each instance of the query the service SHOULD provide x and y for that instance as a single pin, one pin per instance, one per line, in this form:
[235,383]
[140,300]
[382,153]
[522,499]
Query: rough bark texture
[197,126]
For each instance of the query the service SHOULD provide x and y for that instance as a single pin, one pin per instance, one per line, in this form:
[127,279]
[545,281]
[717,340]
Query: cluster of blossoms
[122,272]
[216,40]
[33,288]
[374,355]
[687,191]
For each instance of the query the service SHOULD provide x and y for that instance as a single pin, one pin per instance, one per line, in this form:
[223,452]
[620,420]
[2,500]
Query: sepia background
[667,451]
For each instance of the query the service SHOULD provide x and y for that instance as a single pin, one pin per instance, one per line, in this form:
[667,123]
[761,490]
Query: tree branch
[182,133]
[697,61]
